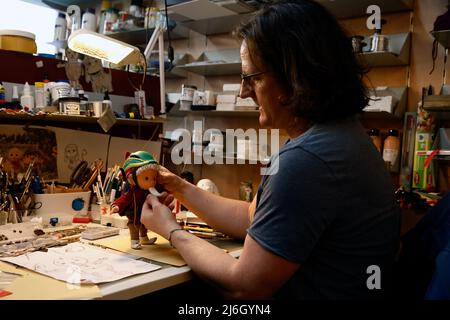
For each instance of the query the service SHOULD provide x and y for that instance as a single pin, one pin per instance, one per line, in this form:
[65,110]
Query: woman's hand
[170,181]
[158,217]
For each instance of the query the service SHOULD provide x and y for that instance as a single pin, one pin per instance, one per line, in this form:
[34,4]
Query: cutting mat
[161,251]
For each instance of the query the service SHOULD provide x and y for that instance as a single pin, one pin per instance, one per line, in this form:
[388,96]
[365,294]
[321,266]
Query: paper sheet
[75,146]
[34,286]
[161,251]
[82,263]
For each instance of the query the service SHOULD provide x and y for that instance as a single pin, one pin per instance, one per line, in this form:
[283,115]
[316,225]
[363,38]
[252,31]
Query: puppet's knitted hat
[136,160]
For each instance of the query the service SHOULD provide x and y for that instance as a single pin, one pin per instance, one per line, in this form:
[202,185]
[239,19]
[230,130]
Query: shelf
[140,36]
[443,37]
[436,103]
[344,9]
[400,95]
[214,69]
[398,54]
[373,115]
[216,25]
[216,63]
[63,4]
[175,73]
[214,113]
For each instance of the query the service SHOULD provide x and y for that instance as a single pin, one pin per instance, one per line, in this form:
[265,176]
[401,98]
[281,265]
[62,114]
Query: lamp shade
[103,47]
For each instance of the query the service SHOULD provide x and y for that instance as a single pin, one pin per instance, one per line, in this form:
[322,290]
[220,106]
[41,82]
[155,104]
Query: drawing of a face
[71,153]
[14,155]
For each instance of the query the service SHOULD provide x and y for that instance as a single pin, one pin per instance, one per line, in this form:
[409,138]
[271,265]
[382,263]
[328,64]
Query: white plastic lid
[19,33]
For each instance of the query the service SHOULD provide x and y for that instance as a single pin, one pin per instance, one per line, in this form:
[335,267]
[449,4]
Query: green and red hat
[137,160]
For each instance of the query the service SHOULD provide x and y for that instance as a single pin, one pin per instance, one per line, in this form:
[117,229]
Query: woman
[327,217]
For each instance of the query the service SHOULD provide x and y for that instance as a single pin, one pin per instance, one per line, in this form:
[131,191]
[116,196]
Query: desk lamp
[120,53]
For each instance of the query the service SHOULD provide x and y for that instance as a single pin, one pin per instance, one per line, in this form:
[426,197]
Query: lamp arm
[152,42]
[158,36]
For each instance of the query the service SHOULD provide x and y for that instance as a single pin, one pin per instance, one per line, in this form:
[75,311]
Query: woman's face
[265,90]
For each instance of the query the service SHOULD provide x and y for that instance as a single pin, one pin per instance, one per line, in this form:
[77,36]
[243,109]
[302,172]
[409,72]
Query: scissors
[80,174]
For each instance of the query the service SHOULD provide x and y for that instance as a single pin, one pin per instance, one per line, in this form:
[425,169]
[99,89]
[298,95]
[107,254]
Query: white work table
[142,284]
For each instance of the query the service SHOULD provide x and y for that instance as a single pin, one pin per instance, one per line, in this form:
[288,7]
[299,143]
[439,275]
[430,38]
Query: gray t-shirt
[330,206]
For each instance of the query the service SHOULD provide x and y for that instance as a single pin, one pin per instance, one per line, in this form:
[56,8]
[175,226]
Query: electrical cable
[170,51]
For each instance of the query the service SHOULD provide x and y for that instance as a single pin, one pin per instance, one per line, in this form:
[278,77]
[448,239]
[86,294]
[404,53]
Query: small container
[89,20]
[391,150]
[60,89]
[376,139]
[246,191]
[112,15]
[39,95]
[27,100]
[2,91]
[60,27]
[151,17]
[187,96]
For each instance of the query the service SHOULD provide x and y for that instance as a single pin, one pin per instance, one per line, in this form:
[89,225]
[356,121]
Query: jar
[60,89]
[391,150]
[376,139]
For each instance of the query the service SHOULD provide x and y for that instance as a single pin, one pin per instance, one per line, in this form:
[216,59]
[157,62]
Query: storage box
[63,206]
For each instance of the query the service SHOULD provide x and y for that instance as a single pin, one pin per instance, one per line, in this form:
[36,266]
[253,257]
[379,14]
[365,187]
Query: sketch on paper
[72,156]
[80,263]
[21,145]
[76,146]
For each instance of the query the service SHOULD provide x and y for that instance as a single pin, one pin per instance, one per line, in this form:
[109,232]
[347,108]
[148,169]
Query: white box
[226,98]
[63,206]
[203,98]
[235,87]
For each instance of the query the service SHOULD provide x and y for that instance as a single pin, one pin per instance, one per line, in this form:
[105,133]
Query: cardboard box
[63,206]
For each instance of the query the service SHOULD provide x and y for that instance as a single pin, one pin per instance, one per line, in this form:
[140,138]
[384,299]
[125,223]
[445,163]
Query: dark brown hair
[304,45]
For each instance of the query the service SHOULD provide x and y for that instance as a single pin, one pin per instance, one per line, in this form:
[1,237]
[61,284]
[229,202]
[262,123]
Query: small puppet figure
[140,169]
[13,162]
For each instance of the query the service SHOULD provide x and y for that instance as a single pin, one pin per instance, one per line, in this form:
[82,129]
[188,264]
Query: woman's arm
[257,274]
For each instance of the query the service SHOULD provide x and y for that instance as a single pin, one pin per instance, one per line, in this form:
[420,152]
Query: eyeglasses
[246,77]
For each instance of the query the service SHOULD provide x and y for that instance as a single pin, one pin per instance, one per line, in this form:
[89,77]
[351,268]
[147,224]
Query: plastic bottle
[376,139]
[83,102]
[2,91]
[391,150]
[89,21]
[39,95]
[106,4]
[15,94]
[111,17]
[60,27]
[106,101]
[27,100]
[136,8]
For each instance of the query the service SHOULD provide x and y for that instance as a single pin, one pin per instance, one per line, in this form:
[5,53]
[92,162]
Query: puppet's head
[141,169]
